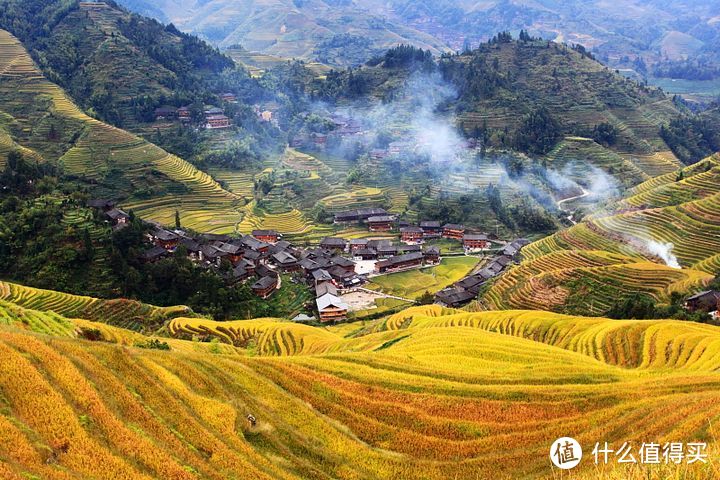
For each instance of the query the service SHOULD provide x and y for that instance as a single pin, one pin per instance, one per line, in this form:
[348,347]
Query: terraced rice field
[358,197]
[293,222]
[590,290]
[573,154]
[428,393]
[149,180]
[125,313]
[698,181]
[239,183]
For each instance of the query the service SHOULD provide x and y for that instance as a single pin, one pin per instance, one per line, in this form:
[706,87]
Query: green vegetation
[413,284]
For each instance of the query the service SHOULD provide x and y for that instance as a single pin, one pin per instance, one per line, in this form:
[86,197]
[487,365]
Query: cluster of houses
[330,269]
[214,116]
[467,289]
[379,220]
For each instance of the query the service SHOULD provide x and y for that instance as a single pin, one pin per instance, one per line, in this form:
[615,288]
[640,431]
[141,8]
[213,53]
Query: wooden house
[431,229]
[453,231]
[334,243]
[400,262]
[381,223]
[358,244]
[164,238]
[165,113]
[431,256]
[454,297]
[268,236]
[265,286]
[217,121]
[411,234]
[117,216]
[475,241]
[706,301]
[286,262]
[331,308]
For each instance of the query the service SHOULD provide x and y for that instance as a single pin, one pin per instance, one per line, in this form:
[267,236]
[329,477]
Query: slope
[119,65]
[344,32]
[429,395]
[621,251]
[113,162]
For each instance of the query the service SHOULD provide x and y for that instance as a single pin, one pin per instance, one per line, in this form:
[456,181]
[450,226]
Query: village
[335,267]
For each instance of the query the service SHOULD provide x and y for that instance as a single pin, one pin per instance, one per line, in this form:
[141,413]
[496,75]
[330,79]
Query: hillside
[339,33]
[117,65]
[41,121]
[428,395]
[618,253]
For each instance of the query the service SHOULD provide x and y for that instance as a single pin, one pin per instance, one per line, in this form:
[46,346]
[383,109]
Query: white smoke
[664,251]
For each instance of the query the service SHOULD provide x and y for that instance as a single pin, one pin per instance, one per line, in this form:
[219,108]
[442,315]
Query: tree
[538,133]
[177,220]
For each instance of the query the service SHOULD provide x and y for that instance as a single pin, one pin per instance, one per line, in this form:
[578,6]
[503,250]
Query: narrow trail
[559,203]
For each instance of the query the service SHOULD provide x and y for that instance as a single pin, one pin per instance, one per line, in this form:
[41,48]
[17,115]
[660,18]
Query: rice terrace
[356,240]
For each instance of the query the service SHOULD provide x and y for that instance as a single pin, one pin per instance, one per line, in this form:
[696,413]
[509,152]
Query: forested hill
[115,64]
[526,94]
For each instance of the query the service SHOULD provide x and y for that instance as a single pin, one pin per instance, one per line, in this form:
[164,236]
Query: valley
[326,240]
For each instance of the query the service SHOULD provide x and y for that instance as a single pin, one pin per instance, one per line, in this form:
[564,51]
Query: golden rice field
[428,393]
[126,313]
[679,211]
[587,282]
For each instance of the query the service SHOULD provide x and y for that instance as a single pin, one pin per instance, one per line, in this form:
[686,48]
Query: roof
[409,248]
[365,251]
[253,243]
[504,260]
[190,244]
[409,257]
[328,300]
[486,273]
[359,241]
[469,282]
[342,261]
[703,294]
[339,272]
[266,233]
[264,271]
[430,224]
[432,251]
[473,236]
[325,287]
[284,257]
[309,264]
[334,241]
[100,203]
[116,213]
[510,250]
[454,296]
[321,275]
[229,248]
[303,318]
[381,218]
[411,230]
[454,226]
[264,282]
[164,235]
[154,253]
[214,111]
